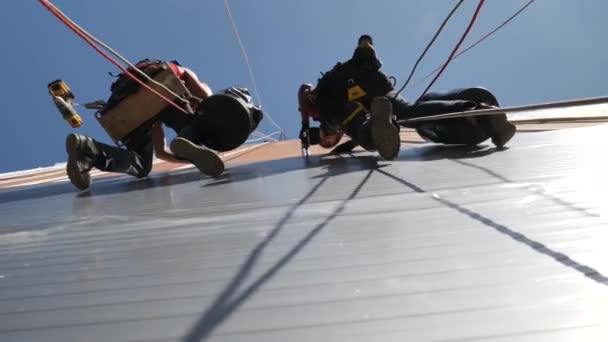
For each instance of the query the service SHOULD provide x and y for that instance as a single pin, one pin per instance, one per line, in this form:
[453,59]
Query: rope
[264,135]
[248,63]
[480,40]
[117,55]
[89,41]
[258,133]
[426,49]
[269,136]
[112,51]
[567,119]
[464,35]
[513,109]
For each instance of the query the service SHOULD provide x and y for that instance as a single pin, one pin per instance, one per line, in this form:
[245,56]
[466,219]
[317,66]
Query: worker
[357,99]
[207,128]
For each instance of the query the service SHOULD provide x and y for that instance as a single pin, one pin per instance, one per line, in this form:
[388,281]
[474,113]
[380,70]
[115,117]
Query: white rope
[249,67]
[264,135]
[566,119]
[258,134]
[116,54]
[269,136]
[513,109]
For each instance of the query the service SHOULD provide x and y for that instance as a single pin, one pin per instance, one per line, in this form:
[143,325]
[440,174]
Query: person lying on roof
[357,99]
[210,126]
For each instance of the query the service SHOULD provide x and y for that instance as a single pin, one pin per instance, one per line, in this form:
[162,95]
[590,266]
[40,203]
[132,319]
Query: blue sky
[553,51]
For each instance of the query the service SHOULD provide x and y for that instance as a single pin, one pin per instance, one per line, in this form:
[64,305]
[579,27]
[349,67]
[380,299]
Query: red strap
[177,70]
[76,30]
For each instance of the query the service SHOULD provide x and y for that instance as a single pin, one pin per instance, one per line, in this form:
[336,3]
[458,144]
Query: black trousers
[465,131]
[359,128]
[459,131]
[137,155]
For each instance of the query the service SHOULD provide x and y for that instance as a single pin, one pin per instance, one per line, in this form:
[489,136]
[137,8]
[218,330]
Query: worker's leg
[84,153]
[496,126]
[358,126]
[135,160]
[175,119]
[385,131]
[467,131]
[432,106]
[376,131]
[459,131]
[222,123]
[188,146]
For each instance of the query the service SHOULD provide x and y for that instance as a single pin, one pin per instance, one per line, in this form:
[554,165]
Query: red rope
[481,40]
[70,25]
[464,36]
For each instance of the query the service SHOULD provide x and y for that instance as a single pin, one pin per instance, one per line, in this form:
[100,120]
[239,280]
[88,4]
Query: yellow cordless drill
[63,98]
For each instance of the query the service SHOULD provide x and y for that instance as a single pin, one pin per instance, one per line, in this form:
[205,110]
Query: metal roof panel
[444,244]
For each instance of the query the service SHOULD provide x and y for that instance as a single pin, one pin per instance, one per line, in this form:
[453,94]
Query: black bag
[244,95]
[227,118]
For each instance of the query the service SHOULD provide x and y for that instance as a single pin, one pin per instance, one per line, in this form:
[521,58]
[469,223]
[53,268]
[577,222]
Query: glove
[304,137]
[310,136]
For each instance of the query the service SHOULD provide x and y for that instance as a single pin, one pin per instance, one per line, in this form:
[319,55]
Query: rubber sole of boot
[205,160]
[80,179]
[385,134]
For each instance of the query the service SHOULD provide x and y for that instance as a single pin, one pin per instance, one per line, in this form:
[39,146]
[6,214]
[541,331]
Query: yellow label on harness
[355,92]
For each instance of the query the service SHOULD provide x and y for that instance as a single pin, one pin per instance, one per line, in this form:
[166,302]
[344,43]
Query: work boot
[498,128]
[205,160]
[385,134]
[82,154]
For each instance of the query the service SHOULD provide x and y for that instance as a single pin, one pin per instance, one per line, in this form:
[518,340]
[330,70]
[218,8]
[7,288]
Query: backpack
[244,95]
[226,119]
[353,80]
[124,85]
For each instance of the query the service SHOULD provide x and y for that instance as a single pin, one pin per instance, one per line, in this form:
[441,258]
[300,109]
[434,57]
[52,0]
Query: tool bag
[226,119]
[125,86]
[130,106]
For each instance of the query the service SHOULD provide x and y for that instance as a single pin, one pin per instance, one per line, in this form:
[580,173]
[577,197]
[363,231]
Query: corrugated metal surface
[446,244]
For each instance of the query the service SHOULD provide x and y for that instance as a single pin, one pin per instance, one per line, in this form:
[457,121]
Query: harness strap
[359,109]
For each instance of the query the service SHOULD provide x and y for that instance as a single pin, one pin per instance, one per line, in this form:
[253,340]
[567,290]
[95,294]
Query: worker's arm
[160,145]
[306,101]
[196,87]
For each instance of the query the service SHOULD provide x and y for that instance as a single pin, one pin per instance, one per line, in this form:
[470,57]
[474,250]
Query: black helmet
[365,38]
